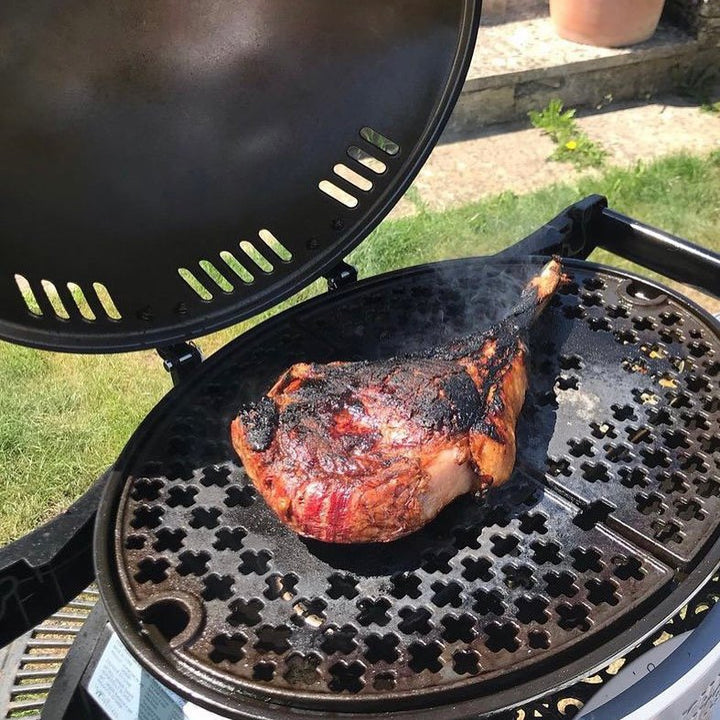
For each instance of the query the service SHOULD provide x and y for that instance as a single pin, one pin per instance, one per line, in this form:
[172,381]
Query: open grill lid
[172,168]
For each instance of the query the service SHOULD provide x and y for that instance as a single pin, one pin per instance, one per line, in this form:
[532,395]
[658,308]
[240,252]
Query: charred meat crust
[260,421]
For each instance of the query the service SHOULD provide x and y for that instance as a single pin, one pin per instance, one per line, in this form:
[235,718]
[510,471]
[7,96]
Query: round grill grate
[614,500]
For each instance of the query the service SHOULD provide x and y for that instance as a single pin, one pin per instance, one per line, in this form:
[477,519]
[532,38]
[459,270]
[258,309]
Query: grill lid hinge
[180,360]
[342,275]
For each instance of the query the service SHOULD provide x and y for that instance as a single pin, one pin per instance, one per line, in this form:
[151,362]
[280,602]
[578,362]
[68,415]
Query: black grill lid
[166,165]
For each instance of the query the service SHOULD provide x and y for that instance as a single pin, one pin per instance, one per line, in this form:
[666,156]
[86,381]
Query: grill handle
[660,251]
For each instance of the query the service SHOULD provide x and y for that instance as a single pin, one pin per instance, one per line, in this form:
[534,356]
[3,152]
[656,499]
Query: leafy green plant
[573,145]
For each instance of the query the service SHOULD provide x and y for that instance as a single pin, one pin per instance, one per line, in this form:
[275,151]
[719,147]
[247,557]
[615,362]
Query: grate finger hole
[181,496]
[504,545]
[539,640]
[425,656]
[310,611]
[239,496]
[596,512]
[342,586]
[382,648]
[245,612]
[573,617]
[135,542]
[228,648]
[373,611]
[218,587]
[602,592]
[633,477]
[146,516]
[264,671]
[415,620]
[273,639]
[560,584]
[339,640]
[446,594]
[650,504]
[627,567]
[466,662]
[281,586]
[532,610]
[347,678]
[502,636]
[405,585]
[153,570]
[192,563]
[586,559]
[518,576]
[167,539]
[229,538]
[302,669]
[257,563]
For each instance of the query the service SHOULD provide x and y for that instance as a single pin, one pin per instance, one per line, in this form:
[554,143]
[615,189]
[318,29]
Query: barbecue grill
[197,168]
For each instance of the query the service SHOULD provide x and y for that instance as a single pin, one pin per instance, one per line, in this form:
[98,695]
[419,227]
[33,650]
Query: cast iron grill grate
[613,494]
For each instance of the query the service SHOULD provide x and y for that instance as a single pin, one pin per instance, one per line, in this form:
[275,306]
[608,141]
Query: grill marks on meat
[370,451]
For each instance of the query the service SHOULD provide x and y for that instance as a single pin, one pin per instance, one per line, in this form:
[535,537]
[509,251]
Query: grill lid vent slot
[28,296]
[390,147]
[54,299]
[107,302]
[367,160]
[344,198]
[202,292]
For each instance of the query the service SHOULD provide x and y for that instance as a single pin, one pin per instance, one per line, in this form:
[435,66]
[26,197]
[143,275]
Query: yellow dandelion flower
[571,144]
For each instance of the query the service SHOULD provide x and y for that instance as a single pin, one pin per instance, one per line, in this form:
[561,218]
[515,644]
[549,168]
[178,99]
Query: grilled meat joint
[353,452]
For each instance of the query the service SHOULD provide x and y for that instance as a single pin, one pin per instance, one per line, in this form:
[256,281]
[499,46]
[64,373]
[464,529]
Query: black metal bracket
[180,360]
[340,276]
[590,224]
[570,234]
[45,569]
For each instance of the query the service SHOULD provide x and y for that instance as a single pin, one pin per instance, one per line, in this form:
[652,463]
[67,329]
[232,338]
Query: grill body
[608,526]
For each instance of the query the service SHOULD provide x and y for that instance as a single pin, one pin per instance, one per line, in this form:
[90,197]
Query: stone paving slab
[514,157]
[533,44]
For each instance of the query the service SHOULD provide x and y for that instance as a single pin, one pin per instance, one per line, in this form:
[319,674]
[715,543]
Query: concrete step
[521,65]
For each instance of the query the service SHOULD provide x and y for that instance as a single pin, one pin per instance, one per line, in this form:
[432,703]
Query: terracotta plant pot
[607,23]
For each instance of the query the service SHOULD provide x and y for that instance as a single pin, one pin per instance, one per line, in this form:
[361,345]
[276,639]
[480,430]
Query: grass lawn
[63,419]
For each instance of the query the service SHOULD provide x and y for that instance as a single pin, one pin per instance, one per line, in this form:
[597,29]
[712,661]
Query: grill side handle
[590,223]
[660,251]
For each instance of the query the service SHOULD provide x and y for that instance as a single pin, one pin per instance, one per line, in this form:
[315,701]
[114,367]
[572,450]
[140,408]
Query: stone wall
[499,11]
[701,17]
